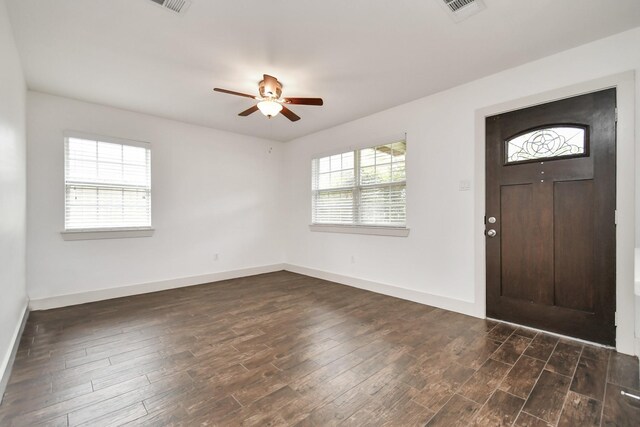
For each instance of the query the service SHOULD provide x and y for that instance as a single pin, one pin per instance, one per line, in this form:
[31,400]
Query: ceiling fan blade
[231,92]
[304,101]
[249,111]
[289,114]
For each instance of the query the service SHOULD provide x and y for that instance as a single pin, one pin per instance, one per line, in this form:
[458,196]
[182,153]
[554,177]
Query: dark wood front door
[550,219]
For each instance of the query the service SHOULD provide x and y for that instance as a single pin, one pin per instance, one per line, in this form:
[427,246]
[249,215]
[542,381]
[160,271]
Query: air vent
[462,9]
[177,6]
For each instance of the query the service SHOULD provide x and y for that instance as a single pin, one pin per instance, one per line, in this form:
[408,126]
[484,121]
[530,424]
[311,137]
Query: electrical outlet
[464,185]
[353,259]
[216,257]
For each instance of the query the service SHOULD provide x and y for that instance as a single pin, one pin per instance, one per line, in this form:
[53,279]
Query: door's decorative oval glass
[547,143]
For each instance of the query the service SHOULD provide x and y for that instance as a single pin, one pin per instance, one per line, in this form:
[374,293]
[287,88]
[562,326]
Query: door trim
[625,189]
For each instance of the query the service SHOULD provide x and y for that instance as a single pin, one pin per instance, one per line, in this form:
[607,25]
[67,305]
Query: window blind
[107,184]
[361,187]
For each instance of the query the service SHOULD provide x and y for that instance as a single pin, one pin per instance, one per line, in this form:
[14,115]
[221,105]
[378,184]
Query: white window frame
[378,230]
[106,232]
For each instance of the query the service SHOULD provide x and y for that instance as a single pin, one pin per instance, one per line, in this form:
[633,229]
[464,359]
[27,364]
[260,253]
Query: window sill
[115,233]
[361,229]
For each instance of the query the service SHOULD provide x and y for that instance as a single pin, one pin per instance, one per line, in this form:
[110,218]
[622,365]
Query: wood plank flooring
[282,349]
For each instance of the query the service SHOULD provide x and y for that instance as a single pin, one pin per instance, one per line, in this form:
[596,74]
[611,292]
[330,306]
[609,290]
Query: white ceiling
[361,56]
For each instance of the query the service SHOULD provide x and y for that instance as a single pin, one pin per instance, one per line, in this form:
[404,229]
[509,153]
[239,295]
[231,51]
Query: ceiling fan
[270,102]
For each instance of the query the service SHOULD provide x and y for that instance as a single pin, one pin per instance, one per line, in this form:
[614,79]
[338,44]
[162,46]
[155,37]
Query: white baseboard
[143,288]
[9,357]
[446,303]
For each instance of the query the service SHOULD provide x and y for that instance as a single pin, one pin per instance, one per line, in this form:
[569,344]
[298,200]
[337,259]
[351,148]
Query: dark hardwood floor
[283,349]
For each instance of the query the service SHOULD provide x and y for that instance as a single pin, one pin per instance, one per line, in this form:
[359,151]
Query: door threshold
[554,334]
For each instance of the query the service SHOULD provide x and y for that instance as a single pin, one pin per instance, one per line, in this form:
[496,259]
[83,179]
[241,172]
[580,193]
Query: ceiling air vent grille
[456,5]
[177,6]
[462,9]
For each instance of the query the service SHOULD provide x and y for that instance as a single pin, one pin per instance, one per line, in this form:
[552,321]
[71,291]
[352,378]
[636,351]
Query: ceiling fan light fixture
[269,108]
[270,103]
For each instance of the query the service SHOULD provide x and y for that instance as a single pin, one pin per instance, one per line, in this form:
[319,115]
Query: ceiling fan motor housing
[270,89]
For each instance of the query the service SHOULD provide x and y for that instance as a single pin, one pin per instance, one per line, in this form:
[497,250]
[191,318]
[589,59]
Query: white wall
[13,297]
[438,262]
[212,192]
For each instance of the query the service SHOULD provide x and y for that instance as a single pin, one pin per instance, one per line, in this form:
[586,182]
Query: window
[547,143]
[364,187]
[107,184]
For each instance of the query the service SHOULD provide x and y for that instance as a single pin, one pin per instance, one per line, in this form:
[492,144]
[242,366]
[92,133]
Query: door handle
[491,233]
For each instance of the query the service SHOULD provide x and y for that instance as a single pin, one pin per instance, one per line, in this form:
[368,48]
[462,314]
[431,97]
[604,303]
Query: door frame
[625,193]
